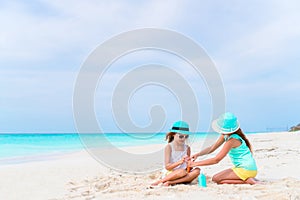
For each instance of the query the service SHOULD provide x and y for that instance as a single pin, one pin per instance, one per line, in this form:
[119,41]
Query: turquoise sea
[15,148]
[13,145]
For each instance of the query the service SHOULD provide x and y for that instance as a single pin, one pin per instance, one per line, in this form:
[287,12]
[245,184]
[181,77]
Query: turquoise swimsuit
[241,156]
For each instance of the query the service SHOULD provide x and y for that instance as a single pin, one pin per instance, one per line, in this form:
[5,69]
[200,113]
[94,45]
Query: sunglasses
[183,136]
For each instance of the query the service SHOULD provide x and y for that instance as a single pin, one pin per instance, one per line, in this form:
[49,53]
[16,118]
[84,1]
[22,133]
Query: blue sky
[255,47]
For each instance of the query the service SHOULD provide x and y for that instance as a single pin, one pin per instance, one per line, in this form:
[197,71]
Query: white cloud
[266,49]
[250,51]
[35,100]
[73,25]
[35,85]
[270,40]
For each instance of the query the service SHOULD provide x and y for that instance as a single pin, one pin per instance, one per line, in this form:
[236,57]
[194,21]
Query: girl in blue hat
[237,146]
[177,156]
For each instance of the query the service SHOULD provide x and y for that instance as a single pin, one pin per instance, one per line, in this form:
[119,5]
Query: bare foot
[253,181]
[156,183]
[167,183]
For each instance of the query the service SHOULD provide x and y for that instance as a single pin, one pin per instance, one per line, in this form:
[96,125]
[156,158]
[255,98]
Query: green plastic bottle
[202,180]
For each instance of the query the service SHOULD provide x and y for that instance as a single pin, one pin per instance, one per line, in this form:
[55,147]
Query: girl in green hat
[177,156]
[237,146]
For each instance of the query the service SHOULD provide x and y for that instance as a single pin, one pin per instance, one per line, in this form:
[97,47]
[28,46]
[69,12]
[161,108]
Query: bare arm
[226,148]
[188,151]
[211,148]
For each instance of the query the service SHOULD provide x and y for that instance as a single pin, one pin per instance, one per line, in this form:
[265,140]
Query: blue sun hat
[226,123]
[180,127]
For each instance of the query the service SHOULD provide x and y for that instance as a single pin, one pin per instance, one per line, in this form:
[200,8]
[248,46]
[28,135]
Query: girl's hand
[183,160]
[192,164]
[195,156]
[186,158]
[180,162]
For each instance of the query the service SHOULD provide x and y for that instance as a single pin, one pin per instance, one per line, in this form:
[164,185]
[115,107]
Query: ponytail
[170,136]
[243,136]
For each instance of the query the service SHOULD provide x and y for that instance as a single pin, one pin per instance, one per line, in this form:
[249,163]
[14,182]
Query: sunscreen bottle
[202,180]
[188,169]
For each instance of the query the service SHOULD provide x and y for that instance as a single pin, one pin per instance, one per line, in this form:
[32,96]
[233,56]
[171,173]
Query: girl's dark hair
[170,136]
[243,136]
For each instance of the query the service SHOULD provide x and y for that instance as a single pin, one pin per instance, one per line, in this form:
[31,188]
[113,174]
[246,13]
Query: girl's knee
[215,179]
[181,172]
[196,171]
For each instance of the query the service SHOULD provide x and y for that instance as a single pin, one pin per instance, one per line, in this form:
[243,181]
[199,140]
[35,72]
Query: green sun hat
[226,124]
[180,127]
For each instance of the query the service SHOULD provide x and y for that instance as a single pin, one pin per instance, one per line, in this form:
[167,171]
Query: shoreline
[129,148]
[79,176]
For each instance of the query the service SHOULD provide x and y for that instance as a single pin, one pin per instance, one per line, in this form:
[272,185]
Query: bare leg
[229,177]
[252,181]
[172,176]
[233,181]
[186,179]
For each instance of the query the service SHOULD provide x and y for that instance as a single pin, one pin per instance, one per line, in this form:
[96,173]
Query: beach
[78,175]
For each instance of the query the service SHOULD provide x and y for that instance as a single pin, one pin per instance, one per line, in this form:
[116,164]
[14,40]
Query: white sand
[79,176]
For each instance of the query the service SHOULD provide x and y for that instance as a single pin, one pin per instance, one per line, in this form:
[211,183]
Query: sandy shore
[79,176]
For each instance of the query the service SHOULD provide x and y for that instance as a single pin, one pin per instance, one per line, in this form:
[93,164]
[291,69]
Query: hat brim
[218,129]
[180,131]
